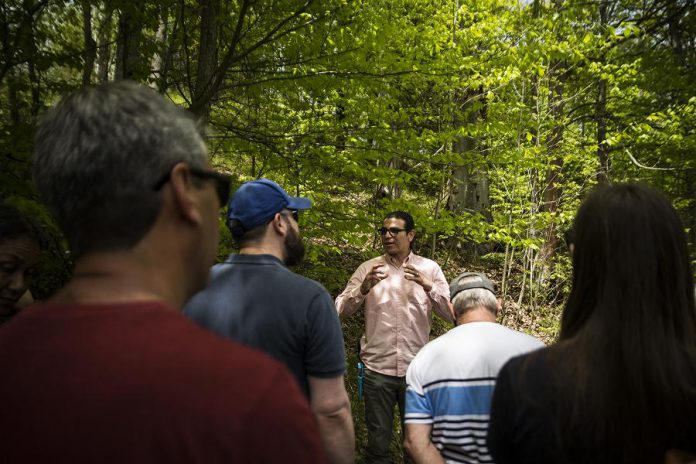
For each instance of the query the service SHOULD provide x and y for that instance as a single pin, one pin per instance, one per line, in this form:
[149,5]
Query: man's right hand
[372,278]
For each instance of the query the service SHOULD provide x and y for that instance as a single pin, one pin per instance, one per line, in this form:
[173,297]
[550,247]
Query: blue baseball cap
[257,201]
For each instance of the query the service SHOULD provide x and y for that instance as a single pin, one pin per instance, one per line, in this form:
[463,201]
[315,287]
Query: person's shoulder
[227,365]
[530,363]
[297,285]
[222,359]
[462,338]
[520,336]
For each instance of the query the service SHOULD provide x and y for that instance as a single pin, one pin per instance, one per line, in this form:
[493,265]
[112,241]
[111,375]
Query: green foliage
[367,107]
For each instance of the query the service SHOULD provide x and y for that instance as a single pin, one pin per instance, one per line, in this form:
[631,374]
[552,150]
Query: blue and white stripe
[458,411]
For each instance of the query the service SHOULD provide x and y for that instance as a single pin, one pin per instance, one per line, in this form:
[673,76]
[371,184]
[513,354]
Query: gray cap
[469,280]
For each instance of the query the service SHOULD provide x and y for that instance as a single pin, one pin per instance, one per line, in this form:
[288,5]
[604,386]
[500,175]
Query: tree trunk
[104,49]
[558,72]
[207,53]
[691,217]
[161,60]
[13,101]
[601,114]
[470,190]
[130,63]
[601,118]
[552,183]
[469,181]
[90,44]
[28,42]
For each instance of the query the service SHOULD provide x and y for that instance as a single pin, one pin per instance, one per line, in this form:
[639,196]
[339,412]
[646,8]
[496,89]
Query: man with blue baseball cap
[255,299]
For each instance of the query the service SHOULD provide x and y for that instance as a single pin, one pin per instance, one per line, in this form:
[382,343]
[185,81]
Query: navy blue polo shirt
[259,302]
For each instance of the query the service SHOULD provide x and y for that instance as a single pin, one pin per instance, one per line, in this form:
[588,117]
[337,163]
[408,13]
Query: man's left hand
[413,274]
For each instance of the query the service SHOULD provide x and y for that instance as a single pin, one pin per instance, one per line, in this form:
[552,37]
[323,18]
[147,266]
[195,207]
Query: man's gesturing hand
[372,278]
[411,273]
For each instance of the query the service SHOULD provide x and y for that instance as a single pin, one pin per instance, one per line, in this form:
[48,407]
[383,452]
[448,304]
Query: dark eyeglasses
[392,230]
[222,182]
[295,213]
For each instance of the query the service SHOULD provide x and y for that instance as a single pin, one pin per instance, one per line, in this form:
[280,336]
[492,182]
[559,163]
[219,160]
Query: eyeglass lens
[391,230]
[222,183]
[295,214]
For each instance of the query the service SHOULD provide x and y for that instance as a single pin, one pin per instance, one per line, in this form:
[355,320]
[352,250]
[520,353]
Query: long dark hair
[628,333]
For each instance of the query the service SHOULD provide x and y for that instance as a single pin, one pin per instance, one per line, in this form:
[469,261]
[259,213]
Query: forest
[487,120]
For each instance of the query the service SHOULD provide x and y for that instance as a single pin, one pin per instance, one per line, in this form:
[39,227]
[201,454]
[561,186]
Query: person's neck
[400,257]
[121,277]
[262,248]
[477,314]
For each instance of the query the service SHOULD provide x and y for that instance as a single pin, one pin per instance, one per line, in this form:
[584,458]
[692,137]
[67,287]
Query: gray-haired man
[108,370]
[451,380]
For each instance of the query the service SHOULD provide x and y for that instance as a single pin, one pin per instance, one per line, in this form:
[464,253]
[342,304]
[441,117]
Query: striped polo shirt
[450,385]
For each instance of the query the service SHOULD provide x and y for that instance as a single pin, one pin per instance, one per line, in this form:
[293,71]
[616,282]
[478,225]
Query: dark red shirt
[140,383]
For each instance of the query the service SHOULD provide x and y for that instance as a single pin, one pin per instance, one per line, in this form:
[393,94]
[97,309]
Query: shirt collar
[253,259]
[395,263]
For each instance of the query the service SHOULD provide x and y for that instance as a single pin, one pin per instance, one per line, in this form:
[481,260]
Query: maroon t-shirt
[139,383]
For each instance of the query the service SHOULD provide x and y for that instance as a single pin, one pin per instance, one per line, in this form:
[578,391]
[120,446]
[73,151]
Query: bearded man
[255,299]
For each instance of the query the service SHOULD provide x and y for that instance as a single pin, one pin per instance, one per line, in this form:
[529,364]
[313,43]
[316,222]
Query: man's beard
[294,248]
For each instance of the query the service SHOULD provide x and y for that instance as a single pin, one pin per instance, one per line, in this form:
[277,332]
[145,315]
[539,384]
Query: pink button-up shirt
[397,312]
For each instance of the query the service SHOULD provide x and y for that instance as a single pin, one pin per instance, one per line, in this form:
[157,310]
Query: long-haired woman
[620,384]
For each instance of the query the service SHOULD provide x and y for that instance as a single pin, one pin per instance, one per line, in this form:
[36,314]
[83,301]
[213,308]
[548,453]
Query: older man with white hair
[451,380]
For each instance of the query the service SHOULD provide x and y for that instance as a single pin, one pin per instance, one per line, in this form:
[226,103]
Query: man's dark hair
[100,152]
[243,237]
[407,218]
[14,224]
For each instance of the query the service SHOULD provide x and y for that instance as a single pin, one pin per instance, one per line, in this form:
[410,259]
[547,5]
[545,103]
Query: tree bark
[130,63]
[470,184]
[90,44]
[104,48]
[552,183]
[162,58]
[558,72]
[601,114]
[207,54]
[28,41]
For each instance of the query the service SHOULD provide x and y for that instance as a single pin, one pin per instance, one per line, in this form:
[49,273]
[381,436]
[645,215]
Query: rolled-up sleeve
[439,295]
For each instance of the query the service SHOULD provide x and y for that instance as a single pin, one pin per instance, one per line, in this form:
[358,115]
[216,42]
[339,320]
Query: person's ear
[499,305]
[411,234]
[183,193]
[280,226]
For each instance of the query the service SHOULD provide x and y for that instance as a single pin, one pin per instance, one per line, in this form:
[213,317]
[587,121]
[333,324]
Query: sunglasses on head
[392,230]
[222,182]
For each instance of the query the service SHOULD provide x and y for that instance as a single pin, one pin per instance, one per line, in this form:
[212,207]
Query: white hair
[473,297]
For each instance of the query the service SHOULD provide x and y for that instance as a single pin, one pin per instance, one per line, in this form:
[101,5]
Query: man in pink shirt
[398,292]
